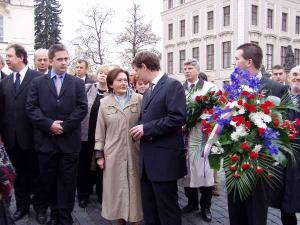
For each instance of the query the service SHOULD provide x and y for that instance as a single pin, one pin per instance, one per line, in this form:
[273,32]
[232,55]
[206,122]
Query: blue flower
[270,134]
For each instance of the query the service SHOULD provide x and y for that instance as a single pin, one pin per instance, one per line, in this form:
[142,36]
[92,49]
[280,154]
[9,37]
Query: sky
[73,12]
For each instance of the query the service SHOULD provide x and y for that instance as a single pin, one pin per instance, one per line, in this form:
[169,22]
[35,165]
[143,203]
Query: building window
[170,4]
[182,1]
[270,19]
[181,60]
[170,62]
[226,54]
[195,53]
[297,56]
[282,55]
[1,29]
[182,28]
[269,56]
[210,57]
[284,22]
[297,24]
[170,31]
[210,20]
[254,15]
[195,24]
[226,13]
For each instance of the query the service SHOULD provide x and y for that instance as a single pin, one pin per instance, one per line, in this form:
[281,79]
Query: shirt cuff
[99,154]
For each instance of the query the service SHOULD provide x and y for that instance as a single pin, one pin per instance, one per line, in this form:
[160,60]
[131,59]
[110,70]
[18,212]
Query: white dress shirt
[22,74]
[157,79]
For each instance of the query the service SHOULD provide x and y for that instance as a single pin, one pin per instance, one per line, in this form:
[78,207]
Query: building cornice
[255,32]
[182,43]
[179,7]
[285,38]
[210,36]
[170,46]
[225,33]
[296,40]
[271,36]
[195,40]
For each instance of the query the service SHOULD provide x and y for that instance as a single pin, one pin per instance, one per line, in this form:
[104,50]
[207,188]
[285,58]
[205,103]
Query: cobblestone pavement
[92,214]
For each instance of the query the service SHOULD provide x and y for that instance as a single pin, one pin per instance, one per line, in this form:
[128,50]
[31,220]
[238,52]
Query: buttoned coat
[121,184]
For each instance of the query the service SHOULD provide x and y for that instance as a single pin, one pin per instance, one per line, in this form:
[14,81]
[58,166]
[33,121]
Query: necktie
[192,86]
[151,89]
[17,81]
[58,83]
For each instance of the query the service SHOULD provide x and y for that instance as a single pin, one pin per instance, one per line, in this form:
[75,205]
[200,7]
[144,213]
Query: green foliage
[47,23]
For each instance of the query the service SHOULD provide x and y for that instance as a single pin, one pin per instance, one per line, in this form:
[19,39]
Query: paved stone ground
[92,214]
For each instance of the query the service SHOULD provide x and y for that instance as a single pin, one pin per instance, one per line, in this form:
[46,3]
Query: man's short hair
[83,61]
[55,48]
[252,51]
[2,61]
[295,69]
[192,62]
[277,67]
[20,52]
[150,59]
[40,51]
[203,76]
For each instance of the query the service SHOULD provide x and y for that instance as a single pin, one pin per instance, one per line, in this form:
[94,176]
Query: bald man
[41,60]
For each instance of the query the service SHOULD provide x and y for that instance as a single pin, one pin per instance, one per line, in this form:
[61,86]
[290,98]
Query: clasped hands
[56,128]
[137,132]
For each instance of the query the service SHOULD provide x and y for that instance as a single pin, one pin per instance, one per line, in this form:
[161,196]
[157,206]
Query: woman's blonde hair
[103,69]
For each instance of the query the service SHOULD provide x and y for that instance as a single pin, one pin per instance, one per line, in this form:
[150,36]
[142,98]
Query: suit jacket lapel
[27,78]
[51,85]
[156,89]
[12,84]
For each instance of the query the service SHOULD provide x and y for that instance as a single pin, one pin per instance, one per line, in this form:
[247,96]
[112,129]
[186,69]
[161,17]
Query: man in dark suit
[81,68]
[160,133]
[41,60]
[2,64]
[253,210]
[16,131]
[56,105]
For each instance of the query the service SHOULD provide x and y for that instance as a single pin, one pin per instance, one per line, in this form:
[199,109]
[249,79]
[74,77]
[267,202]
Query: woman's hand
[101,163]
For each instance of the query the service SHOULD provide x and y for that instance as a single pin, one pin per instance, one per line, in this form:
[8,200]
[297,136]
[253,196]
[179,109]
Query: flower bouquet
[250,132]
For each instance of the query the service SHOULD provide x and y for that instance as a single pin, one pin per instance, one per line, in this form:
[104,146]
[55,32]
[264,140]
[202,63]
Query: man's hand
[56,128]
[101,163]
[137,132]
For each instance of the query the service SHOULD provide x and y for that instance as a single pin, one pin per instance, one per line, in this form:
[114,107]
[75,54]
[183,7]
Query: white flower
[247,88]
[233,123]
[205,116]
[241,111]
[267,118]
[241,130]
[234,136]
[258,119]
[257,148]
[216,150]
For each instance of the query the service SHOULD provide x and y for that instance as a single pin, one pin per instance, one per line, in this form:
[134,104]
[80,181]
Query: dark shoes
[41,218]
[19,214]
[206,214]
[83,203]
[189,209]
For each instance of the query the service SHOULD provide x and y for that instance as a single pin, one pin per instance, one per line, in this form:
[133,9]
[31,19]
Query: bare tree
[137,36]
[93,37]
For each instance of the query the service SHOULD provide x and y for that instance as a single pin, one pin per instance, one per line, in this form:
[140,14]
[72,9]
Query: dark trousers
[28,181]
[193,199]
[86,177]
[160,202]
[251,211]
[59,171]
[288,218]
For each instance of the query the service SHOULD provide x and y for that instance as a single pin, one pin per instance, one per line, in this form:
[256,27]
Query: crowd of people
[124,133]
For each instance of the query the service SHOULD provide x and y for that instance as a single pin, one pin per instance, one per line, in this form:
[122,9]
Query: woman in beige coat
[116,152]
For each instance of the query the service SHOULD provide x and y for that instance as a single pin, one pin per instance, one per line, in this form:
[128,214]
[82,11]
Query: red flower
[205,98]
[245,146]
[251,96]
[248,124]
[267,111]
[198,98]
[203,123]
[222,99]
[246,166]
[259,170]
[245,93]
[270,175]
[236,175]
[240,102]
[261,131]
[297,122]
[212,92]
[219,92]
[249,107]
[238,120]
[210,111]
[232,167]
[253,155]
[234,158]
